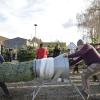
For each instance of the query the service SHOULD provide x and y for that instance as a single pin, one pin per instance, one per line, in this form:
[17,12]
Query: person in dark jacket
[1,59]
[56,51]
[2,84]
[91,58]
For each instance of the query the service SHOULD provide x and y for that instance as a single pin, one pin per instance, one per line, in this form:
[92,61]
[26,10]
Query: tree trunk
[15,72]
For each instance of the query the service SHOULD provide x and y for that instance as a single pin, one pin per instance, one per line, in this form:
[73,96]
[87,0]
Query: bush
[26,55]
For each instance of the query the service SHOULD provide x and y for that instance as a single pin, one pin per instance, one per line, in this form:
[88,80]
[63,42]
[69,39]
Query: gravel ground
[55,91]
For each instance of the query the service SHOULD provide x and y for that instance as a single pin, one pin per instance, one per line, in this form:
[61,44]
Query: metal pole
[35,34]
[35,29]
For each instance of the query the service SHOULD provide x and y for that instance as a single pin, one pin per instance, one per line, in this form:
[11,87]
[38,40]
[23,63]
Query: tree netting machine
[49,70]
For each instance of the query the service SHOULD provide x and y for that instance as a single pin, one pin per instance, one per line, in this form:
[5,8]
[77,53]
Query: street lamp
[35,29]
[35,34]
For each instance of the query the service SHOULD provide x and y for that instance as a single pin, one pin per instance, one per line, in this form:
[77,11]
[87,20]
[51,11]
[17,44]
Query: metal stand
[47,84]
[59,67]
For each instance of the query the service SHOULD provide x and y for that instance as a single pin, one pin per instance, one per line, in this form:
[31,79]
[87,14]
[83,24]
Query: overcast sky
[55,19]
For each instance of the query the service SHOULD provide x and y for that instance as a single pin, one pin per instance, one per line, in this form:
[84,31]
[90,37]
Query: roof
[15,42]
[3,38]
[72,46]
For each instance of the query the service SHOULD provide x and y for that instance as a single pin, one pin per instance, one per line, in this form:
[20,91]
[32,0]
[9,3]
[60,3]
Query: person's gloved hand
[66,55]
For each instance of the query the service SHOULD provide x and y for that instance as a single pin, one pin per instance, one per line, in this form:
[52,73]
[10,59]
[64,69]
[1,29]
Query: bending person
[91,58]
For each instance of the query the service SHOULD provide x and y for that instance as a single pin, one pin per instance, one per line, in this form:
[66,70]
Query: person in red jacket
[91,58]
[41,52]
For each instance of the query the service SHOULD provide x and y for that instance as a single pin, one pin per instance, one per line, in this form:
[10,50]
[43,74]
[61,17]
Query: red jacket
[42,53]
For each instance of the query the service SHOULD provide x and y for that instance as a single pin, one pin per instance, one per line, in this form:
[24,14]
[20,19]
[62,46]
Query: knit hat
[80,42]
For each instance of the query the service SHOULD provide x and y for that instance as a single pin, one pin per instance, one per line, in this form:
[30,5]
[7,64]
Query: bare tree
[90,21]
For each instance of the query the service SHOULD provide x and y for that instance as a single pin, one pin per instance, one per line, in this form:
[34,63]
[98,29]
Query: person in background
[91,58]
[10,55]
[56,51]
[75,69]
[2,84]
[41,52]
[1,59]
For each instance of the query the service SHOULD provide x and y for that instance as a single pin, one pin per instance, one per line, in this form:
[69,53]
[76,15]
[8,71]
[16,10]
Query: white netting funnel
[51,68]
[61,67]
[44,68]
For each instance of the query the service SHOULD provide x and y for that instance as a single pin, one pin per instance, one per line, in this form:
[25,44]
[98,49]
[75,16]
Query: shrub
[26,55]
